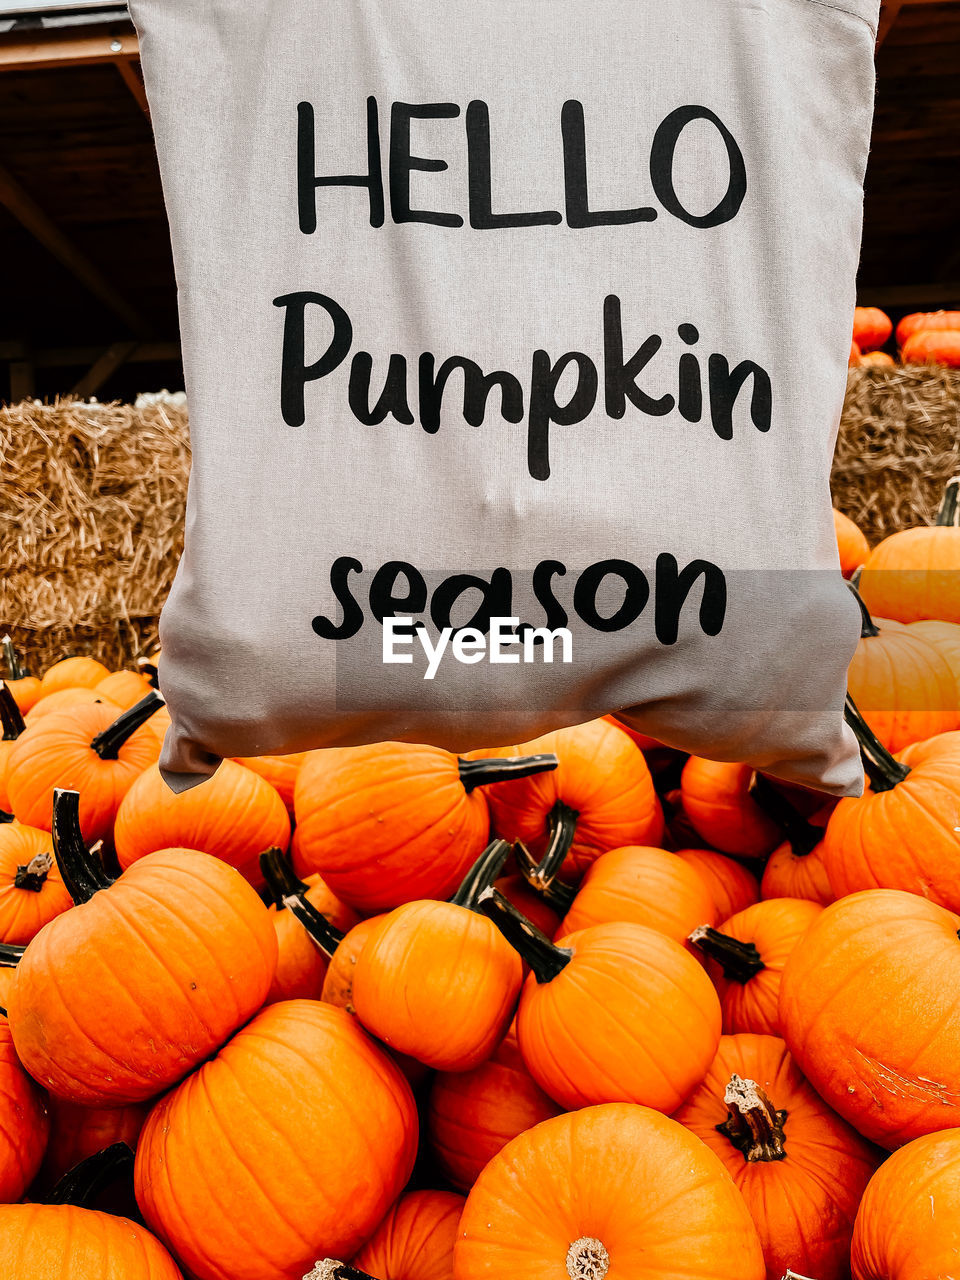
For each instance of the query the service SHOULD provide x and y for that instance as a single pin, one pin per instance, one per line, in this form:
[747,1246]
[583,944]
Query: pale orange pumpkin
[70,673]
[915,574]
[415,1240]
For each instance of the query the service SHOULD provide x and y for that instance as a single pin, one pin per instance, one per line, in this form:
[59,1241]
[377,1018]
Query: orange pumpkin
[24,1126]
[615,1192]
[390,823]
[280,771]
[63,1242]
[302,1116]
[234,816]
[301,965]
[10,956]
[732,886]
[944,636]
[644,886]
[902,832]
[65,700]
[415,1240]
[849,1003]
[908,1226]
[342,964]
[474,1114]
[747,956]
[796,868]
[124,688]
[12,723]
[877,360]
[90,749]
[915,574]
[531,903]
[933,346]
[25,688]
[718,801]
[600,797]
[618,1012]
[118,998]
[851,544]
[31,890]
[76,1133]
[72,673]
[799,1167]
[902,684]
[855,355]
[871,329]
[919,321]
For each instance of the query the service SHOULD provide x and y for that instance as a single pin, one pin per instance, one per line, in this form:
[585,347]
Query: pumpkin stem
[149,671]
[10,955]
[81,874]
[11,717]
[868,628]
[83,1183]
[107,744]
[740,961]
[482,874]
[330,1269]
[753,1125]
[33,875]
[949,513]
[802,835]
[480,773]
[587,1259]
[561,829]
[546,960]
[7,817]
[557,895]
[17,672]
[291,892]
[884,770]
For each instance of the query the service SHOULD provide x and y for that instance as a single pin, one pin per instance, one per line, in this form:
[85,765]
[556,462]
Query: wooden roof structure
[88,284]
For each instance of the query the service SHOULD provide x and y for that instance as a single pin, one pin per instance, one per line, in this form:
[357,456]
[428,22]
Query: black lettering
[620,378]
[672,589]
[497,599]
[476,389]
[295,373]
[384,601]
[340,572]
[662,157]
[725,388]
[482,217]
[393,398]
[635,597]
[402,163]
[308,182]
[545,410]
[579,214]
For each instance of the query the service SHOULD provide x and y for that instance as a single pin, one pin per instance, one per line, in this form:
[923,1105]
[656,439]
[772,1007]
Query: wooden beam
[889,13]
[132,77]
[30,215]
[910,295]
[109,362]
[36,50]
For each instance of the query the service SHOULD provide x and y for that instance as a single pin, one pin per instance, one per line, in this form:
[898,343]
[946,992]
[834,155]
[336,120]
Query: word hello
[471,645]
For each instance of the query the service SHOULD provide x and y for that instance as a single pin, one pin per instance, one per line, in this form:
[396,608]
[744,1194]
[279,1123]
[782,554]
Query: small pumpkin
[24,687]
[849,998]
[871,328]
[415,1240]
[342,956]
[24,1127]
[118,998]
[233,816]
[918,321]
[908,1226]
[613,1192]
[31,890]
[280,771]
[72,673]
[301,1123]
[877,360]
[855,355]
[474,1114]
[796,868]
[933,346]
[914,574]
[732,886]
[747,956]
[390,823]
[77,1133]
[799,1167]
[66,700]
[301,965]
[617,1012]
[93,750]
[124,688]
[851,544]
[718,801]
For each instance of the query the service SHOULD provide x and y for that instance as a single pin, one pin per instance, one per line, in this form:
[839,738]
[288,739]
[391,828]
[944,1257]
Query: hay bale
[91,525]
[899,444]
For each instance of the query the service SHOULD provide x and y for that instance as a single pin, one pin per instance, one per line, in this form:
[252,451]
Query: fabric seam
[839,8]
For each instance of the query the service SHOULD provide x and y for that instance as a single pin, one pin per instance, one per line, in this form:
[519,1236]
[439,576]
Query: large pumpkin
[615,1192]
[718,800]
[77,1133]
[62,1242]
[915,574]
[415,1240]
[32,892]
[903,832]
[919,321]
[600,797]
[234,816]
[474,1114]
[747,956]
[614,1013]
[732,886]
[869,1011]
[799,1167]
[24,1126]
[118,998]
[280,771]
[291,1144]
[389,823]
[944,636]
[908,1226]
[67,700]
[933,346]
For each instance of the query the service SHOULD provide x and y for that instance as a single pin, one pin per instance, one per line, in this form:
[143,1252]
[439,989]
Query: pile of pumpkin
[923,337]
[580,1009]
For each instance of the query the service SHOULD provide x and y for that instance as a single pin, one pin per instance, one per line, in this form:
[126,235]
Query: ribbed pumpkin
[933,346]
[25,688]
[918,321]
[415,1240]
[645,886]
[62,1242]
[389,823]
[24,1126]
[799,1167]
[600,797]
[902,833]
[868,1004]
[717,799]
[915,574]
[944,636]
[908,1226]
[65,700]
[234,816]
[118,998]
[902,684]
[796,868]
[747,956]
[871,329]
[280,771]
[342,964]
[474,1114]
[851,544]
[90,749]
[732,886]
[616,1192]
[31,890]
[124,688]
[72,673]
[76,1133]
[301,965]
[614,1013]
[294,1141]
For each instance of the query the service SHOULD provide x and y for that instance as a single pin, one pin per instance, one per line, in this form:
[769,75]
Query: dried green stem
[740,961]
[546,960]
[481,773]
[107,744]
[884,770]
[482,874]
